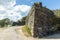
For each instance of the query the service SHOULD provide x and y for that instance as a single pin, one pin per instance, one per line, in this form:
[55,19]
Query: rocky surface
[41,20]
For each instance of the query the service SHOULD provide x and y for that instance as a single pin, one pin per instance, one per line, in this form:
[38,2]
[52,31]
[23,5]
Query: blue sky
[16,9]
[51,4]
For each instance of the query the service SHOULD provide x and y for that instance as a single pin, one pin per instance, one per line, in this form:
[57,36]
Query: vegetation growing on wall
[26,30]
[57,13]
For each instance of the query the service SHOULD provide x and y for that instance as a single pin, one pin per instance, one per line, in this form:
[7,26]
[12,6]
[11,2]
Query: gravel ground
[11,34]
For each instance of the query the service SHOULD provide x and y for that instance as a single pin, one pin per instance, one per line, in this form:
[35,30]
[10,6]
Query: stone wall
[40,20]
[43,22]
[30,19]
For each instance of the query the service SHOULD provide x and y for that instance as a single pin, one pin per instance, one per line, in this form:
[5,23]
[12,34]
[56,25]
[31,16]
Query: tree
[23,20]
[5,22]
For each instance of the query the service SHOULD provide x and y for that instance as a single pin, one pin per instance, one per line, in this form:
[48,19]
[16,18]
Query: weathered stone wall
[40,20]
[43,22]
[30,19]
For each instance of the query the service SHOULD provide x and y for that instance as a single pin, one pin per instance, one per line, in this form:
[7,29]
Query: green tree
[4,22]
[23,20]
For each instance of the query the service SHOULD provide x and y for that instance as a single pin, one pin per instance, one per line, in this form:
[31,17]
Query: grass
[26,30]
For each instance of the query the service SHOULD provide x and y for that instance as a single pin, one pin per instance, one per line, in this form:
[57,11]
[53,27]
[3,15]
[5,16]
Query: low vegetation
[5,22]
[57,13]
[20,22]
[26,30]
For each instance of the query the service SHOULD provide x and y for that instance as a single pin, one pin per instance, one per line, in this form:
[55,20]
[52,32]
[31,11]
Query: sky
[16,9]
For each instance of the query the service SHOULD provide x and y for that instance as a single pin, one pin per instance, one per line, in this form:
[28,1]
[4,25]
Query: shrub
[26,30]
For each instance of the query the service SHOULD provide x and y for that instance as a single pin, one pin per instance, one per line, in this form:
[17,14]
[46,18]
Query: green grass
[26,30]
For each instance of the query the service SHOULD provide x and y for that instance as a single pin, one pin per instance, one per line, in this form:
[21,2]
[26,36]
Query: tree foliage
[4,22]
[23,19]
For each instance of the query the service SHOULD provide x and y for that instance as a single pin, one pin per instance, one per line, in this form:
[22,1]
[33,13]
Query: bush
[23,20]
[5,22]
[26,30]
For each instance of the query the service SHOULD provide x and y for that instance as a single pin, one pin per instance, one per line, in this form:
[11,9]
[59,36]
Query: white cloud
[7,3]
[8,10]
[22,8]
[2,16]
[2,8]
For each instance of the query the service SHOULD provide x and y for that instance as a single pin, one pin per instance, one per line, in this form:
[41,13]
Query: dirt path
[9,34]
[15,33]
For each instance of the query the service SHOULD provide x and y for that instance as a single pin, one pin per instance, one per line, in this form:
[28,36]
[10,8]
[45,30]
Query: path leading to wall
[9,34]
[15,33]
